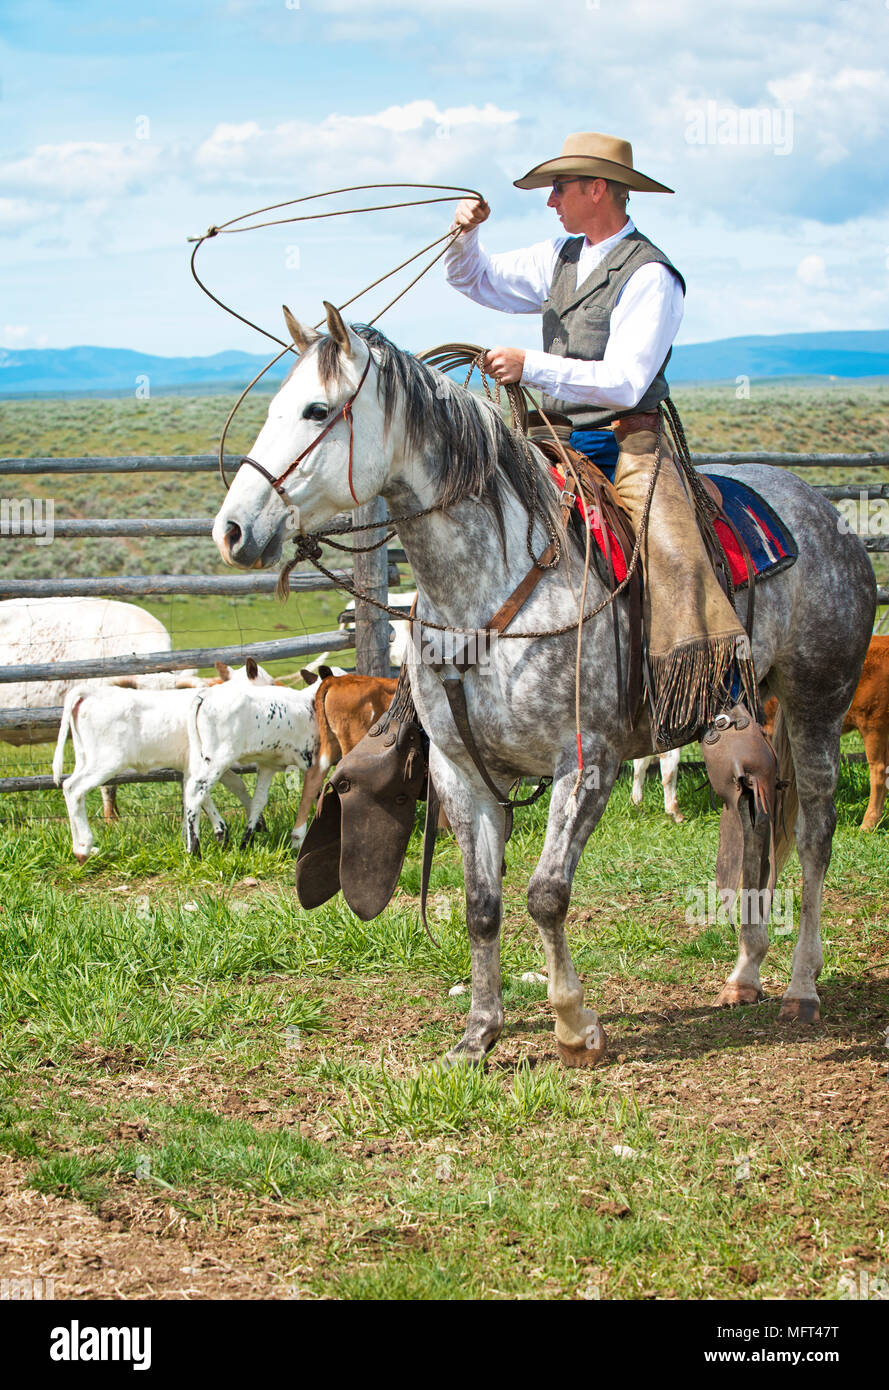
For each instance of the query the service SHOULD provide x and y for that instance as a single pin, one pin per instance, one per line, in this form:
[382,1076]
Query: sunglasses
[560,184]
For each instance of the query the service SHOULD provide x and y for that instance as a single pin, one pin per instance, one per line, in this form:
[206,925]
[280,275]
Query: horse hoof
[588,1053]
[800,1011]
[222,836]
[81,858]
[733,993]
[457,1057]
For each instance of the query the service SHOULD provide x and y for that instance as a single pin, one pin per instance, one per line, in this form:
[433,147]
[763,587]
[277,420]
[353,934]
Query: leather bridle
[344,413]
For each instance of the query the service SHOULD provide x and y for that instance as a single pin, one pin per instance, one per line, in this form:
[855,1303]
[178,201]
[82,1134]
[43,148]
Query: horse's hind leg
[752,905]
[479,825]
[580,1038]
[815,740]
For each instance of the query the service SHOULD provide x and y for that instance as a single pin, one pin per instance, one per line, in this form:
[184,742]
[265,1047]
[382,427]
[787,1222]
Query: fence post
[371,575]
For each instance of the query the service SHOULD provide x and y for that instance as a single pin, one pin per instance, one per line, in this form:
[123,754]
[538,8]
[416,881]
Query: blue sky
[125,128]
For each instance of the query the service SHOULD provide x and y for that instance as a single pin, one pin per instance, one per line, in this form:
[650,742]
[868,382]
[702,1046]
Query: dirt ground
[674,1054]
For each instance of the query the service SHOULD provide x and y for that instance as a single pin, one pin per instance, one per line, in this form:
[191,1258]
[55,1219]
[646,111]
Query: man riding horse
[612,303]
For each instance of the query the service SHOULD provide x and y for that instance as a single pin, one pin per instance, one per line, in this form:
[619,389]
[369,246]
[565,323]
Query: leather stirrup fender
[377,786]
[318,861]
[359,837]
[742,768]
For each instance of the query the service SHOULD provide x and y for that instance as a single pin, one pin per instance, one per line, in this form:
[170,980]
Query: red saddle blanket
[618,561]
[768,540]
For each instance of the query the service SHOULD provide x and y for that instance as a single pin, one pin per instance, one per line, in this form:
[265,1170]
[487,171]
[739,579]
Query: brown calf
[346,707]
[869,714]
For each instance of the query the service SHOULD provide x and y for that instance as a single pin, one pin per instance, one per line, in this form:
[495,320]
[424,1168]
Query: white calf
[275,729]
[116,730]
[669,777]
[46,631]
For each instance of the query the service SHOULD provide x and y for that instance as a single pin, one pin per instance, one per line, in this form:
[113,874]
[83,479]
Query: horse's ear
[302,337]
[337,328]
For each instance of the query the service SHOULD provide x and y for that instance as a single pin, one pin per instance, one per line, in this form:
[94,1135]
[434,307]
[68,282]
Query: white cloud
[812,271]
[839,109]
[86,169]
[19,335]
[18,213]
[417,113]
[417,141]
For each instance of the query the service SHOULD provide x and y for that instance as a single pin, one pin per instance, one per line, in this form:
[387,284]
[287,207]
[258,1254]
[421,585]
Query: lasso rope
[231,228]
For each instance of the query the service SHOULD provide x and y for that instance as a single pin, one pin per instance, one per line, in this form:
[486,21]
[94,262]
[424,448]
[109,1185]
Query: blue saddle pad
[770,542]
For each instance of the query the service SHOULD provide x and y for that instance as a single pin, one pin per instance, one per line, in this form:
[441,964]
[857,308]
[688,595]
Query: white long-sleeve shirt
[644,321]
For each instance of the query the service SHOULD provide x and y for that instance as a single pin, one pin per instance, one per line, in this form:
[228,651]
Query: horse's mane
[467,444]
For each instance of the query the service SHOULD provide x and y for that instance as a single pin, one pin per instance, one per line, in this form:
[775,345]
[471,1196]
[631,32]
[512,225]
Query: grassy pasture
[205,1092]
[196,1076]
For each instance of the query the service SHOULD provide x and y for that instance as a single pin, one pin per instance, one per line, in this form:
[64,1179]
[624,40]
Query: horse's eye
[316,411]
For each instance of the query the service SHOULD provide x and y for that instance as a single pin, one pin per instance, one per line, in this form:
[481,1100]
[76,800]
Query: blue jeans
[598,445]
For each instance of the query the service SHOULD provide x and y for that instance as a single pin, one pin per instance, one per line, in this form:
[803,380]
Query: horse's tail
[789,800]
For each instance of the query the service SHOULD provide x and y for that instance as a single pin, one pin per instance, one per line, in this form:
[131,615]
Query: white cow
[117,730]
[275,729]
[41,631]
[669,776]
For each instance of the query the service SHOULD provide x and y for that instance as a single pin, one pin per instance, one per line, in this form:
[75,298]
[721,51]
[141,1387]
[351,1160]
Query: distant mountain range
[104,371]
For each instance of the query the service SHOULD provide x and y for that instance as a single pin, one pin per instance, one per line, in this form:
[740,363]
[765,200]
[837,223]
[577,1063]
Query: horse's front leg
[479,825]
[580,1037]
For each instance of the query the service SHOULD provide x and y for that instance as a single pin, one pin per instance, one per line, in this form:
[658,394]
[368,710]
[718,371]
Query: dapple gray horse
[423,442]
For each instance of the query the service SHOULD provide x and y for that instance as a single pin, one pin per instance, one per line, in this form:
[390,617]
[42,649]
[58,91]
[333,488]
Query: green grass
[451,1184]
[185,1053]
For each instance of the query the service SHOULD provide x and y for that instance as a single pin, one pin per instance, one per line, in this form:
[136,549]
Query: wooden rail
[144,585]
[278,650]
[207,463]
[45,783]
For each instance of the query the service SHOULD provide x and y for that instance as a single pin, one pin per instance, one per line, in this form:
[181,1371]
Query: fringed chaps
[694,637]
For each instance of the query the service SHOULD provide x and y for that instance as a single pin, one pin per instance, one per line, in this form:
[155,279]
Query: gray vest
[577,320]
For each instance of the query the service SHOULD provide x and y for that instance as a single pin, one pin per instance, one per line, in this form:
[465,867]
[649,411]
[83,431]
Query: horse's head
[310,459]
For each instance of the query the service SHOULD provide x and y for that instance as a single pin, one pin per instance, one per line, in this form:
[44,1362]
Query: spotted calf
[274,728]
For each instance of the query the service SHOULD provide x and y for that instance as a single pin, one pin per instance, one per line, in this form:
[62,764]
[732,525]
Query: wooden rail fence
[373,572]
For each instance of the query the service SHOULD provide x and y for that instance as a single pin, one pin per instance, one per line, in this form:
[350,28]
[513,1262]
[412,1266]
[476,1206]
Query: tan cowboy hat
[589,155]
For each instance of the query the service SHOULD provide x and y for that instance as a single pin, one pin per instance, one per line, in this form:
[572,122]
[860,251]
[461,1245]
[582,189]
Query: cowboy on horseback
[612,303]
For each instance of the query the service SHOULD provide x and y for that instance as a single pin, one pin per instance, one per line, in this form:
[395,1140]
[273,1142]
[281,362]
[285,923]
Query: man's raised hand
[471,212]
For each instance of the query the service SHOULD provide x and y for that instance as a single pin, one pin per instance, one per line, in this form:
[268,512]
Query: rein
[308,547]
